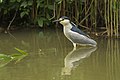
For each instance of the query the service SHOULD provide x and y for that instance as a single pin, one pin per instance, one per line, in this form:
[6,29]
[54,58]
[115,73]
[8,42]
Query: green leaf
[51,7]
[22,14]
[40,22]
[21,51]
[40,3]
[48,16]
[1,1]
[18,0]
[5,11]
[58,1]
[18,57]
[4,57]
[30,2]
[12,0]
[24,4]
[5,62]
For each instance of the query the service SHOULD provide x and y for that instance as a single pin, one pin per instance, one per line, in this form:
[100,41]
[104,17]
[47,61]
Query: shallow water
[50,57]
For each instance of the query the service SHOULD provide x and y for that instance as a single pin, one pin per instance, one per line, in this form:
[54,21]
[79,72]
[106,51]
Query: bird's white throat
[65,22]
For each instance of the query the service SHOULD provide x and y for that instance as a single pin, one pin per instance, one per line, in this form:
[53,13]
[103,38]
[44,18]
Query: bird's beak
[56,20]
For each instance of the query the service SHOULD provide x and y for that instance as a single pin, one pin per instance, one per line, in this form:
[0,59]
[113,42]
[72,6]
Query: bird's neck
[66,29]
[67,26]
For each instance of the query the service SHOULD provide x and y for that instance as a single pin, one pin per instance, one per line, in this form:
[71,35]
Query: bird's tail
[93,43]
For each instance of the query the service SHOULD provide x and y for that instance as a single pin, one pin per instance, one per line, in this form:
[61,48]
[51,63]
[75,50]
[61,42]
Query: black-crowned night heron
[75,35]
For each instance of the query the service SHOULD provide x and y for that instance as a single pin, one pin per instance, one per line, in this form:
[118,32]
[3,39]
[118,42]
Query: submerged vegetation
[5,59]
[99,16]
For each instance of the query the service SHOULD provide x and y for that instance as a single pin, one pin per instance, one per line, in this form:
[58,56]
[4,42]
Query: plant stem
[8,28]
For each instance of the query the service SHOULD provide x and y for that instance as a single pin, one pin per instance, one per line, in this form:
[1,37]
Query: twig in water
[11,35]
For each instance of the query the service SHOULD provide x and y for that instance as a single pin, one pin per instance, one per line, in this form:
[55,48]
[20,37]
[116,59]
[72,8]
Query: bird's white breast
[67,30]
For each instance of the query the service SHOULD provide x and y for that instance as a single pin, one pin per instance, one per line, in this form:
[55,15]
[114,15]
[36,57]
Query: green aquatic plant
[5,59]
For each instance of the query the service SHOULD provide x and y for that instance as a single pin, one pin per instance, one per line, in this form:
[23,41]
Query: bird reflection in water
[75,56]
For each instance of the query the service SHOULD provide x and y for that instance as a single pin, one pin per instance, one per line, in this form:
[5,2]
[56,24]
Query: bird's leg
[74,44]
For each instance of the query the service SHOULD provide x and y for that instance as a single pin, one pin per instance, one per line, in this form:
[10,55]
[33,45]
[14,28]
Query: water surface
[50,57]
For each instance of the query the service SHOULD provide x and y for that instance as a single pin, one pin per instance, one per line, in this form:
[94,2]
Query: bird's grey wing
[75,29]
[80,39]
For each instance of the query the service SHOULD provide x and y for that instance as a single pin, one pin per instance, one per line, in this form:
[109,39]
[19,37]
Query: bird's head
[63,20]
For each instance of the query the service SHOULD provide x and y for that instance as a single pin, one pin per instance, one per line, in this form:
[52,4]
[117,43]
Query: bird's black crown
[65,17]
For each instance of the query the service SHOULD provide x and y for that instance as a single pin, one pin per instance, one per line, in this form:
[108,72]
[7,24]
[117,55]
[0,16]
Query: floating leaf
[4,59]
[18,57]
[21,51]
[4,62]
